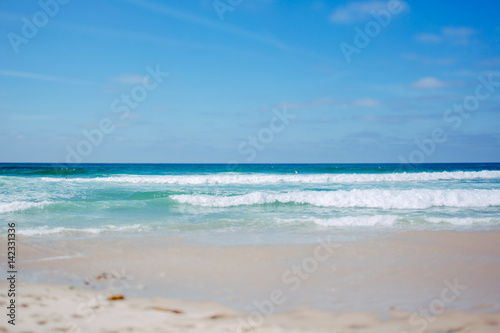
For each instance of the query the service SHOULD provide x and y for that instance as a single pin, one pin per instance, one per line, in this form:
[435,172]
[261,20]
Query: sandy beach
[413,281]
[255,166]
[51,308]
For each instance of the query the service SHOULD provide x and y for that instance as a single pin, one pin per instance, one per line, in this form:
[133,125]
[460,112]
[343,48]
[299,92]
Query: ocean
[260,202]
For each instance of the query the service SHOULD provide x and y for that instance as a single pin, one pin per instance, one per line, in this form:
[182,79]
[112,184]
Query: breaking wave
[252,179]
[384,199]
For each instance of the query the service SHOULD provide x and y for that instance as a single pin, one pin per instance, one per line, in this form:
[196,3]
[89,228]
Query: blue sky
[249,81]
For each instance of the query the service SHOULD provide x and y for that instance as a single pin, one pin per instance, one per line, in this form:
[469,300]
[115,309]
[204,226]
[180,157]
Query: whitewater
[83,200]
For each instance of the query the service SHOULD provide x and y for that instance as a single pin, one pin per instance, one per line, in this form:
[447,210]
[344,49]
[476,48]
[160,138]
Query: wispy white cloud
[154,39]
[31,117]
[128,79]
[445,61]
[429,83]
[256,5]
[453,35]
[314,103]
[247,6]
[366,103]
[190,18]
[42,77]
[392,119]
[318,5]
[359,11]
[457,32]
[429,38]
[214,25]
[462,73]
[129,35]
[329,102]
[491,62]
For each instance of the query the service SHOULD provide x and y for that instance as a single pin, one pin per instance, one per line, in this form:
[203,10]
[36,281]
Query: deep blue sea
[59,200]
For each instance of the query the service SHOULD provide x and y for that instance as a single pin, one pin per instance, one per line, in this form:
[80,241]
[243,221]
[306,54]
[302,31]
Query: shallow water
[295,200]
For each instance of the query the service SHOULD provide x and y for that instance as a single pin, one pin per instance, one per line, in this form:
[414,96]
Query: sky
[249,81]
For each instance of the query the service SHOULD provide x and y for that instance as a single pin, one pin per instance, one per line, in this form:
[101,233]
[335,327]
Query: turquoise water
[56,200]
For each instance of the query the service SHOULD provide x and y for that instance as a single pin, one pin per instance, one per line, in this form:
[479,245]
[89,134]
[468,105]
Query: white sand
[52,308]
[428,281]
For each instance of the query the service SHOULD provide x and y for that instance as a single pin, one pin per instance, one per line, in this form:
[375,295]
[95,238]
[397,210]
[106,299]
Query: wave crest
[385,199]
[7,207]
[254,179]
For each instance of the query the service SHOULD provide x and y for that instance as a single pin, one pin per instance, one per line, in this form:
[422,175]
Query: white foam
[461,220]
[40,231]
[292,178]
[385,199]
[6,207]
[386,220]
[49,231]
[364,220]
